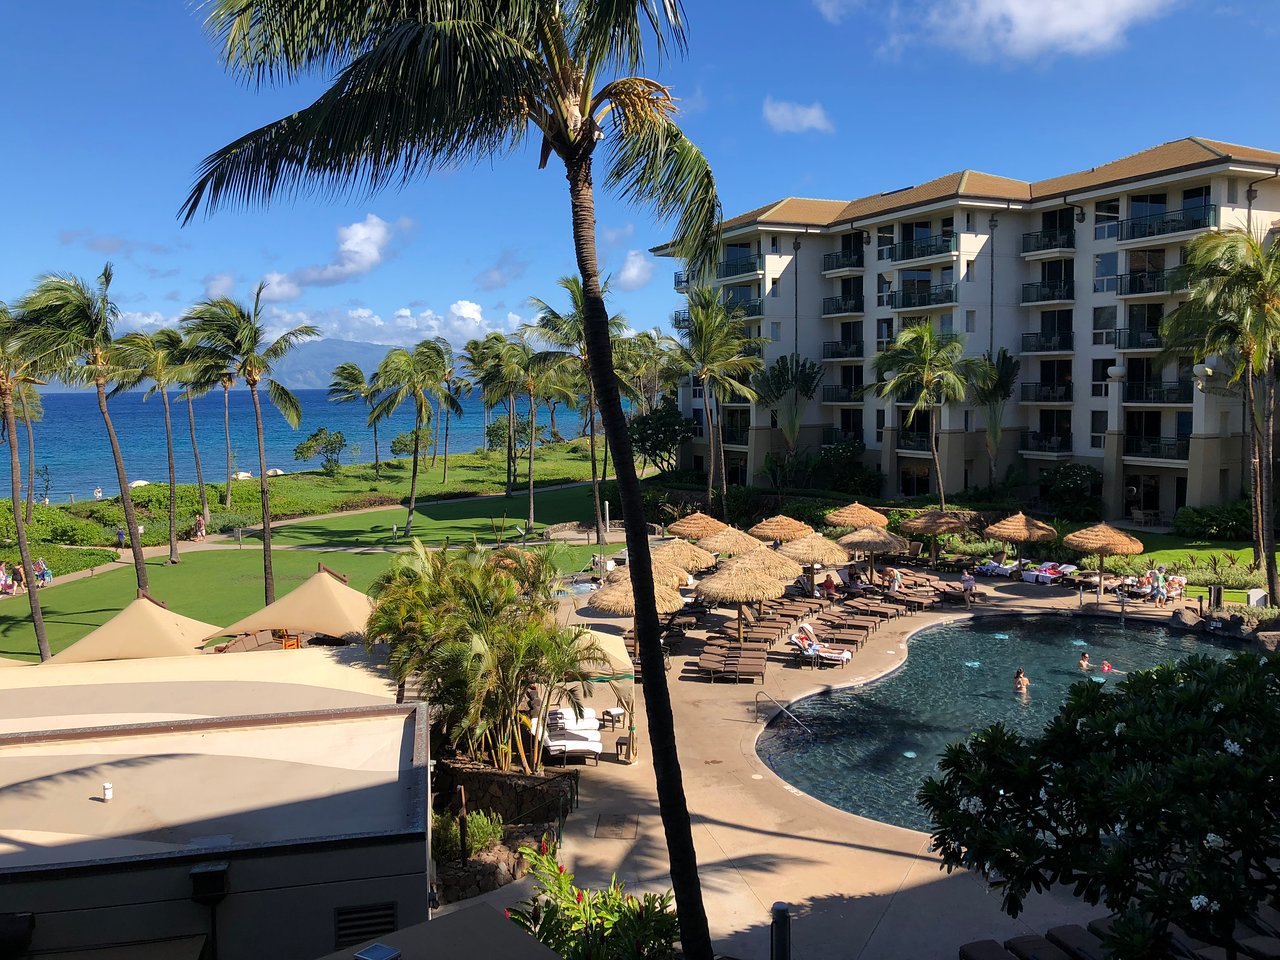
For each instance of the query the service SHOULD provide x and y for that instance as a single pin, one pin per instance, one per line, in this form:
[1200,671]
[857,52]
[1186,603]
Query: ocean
[72,440]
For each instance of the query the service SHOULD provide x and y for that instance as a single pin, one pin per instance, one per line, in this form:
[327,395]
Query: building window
[884,242]
[1104,325]
[1106,219]
[1105,268]
[699,424]
[945,323]
[968,421]
[1098,429]
[968,271]
[970,321]
[775,330]
[948,226]
[880,425]
[773,287]
[773,244]
[968,221]
[1100,368]
[1233,190]
[699,464]
[697,393]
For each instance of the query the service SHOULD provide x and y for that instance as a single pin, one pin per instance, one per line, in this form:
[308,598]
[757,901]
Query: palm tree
[719,355]
[932,370]
[18,362]
[204,372]
[32,412]
[1234,310]
[349,385]
[992,386]
[236,332]
[67,319]
[157,357]
[409,375]
[439,84]
[453,387]
[519,358]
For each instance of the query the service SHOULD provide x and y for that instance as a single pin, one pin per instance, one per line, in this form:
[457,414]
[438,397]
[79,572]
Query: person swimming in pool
[1084,661]
[1106,666]
[1021,681]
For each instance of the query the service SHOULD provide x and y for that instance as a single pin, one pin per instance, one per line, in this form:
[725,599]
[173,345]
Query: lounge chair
[564,749]
[1051,573]
[1035,948]
[1077,942]
[984,950]
[808,647]
[736,666]
[569,735]
[993,568]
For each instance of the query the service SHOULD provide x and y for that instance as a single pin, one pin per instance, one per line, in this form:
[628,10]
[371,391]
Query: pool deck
[858,888]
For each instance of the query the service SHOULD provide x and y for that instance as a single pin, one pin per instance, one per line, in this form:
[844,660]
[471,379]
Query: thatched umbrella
[856,515]
[1105,541]
[740,586]
[813,550]
[933,524]
[780,528]
[666,574]
[1020,529]
[696,526]
[872,540]
[683,554]
[730,541]
[618,599]
[767,561]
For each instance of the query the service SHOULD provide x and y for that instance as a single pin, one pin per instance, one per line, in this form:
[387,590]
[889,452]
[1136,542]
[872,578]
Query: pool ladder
[761,693]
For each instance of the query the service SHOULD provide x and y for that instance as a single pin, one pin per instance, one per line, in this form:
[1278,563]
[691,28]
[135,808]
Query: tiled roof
[797,210]
[964,183]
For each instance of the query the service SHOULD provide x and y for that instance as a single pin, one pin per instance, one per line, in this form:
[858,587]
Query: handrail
[761,693]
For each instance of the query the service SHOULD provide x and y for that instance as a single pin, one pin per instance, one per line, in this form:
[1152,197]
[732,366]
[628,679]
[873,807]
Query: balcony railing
[1046,392]
[835,305]
[682,281]
[842,260]
[1170,391]
[1157,448]
[933,246]
[883,344]
[833,435]
[739,265]
[838,393]
[1171,221]
[1048,342]
[841,350]
[1045,291]
[736,436]
[937,295]
[750,306]
[1043,240]
[680,319]
[913,440]
[1149,282]
[1036,442]
[1138,338]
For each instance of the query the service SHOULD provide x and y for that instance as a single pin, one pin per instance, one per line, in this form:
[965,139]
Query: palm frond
[284,401]
[610,34]
[282,344]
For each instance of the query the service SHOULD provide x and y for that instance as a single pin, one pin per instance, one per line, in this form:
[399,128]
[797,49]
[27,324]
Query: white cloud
[508,268]
[361,247]
[636,272]
[219,285]
[783,116]
[146,321]
[833,11]
[280,286]
[611,236]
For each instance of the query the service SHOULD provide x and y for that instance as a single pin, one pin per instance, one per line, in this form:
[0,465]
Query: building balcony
[834,435]
[913,441]
[1048,342]
[841,350]
[736,436]
[883,344]
[682,281]
[680,319]
[1160,394]
[740,266]
[1169,223]
[1151,283]
[1052,291]
[843,260]
[1137,338]
[1048,241]
[837,306]
[1156,448]
[749,306]
[938,245]
[1045,444]
[839,393]
[936,296]
[1046,392]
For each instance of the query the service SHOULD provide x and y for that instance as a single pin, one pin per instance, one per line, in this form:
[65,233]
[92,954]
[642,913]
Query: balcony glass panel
[1157,448]
[838,393]
[1149,282]
[849,304]
[1171,221]
[1046,392]
[736,436]
[841,350]
[834,435]
[1048,342]
[913,440]
[1136,338]
[942,293]
[1170,391]
[750,306]
[842,259]
[1045,443]
[933,246]
[1048,240]
[739,265]
[681,281]
[1044,291]
[680,319]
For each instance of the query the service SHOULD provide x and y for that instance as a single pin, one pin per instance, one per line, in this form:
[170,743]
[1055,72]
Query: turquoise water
[872,746]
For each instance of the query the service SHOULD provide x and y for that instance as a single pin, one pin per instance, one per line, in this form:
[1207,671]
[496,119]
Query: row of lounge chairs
[569,735]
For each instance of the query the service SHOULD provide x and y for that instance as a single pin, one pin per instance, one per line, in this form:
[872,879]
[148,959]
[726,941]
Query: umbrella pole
[1102,567]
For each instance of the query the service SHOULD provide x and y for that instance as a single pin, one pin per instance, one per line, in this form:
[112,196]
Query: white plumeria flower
[1217,708]
[1120,728]
[1199,902]
[1233,748]
[1214,842]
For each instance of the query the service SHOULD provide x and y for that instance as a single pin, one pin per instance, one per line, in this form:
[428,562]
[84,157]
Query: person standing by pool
[1160,587]
[1084,661]
[968,585]
[1021,683]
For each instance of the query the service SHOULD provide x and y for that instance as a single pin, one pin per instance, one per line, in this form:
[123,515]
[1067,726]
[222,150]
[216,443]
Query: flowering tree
[1156,798]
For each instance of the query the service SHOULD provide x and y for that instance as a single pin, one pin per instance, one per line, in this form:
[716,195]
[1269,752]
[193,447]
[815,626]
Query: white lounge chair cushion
[557,748]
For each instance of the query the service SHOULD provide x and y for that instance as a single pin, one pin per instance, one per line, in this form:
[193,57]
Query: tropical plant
[204,372]
[659,434]
[440,84]
[788,385]
[931,369]
[72,323]
[237,334]
[327,445]
[992,386]
[32,408]
[453,387]
[349,385]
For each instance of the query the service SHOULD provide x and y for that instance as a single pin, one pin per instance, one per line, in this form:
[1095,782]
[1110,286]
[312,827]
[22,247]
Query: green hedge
[61,560]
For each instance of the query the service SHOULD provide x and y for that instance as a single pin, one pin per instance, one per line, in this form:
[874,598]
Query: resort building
[1072,275]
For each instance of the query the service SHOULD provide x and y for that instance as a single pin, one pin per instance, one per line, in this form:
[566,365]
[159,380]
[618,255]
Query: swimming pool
[576,589]
[872,746]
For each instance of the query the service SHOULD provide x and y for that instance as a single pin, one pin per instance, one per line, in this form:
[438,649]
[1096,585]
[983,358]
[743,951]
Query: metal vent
[357,924]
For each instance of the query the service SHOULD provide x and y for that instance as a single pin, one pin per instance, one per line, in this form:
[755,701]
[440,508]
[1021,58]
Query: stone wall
[515,797]
[487,870]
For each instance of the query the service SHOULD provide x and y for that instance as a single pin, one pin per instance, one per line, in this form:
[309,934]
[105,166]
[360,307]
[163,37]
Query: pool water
[576,589]
[872,746]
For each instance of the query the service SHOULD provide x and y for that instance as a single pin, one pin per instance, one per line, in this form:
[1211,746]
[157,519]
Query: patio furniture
[1077,942]
[984,950]
[1035,948]
[613,716]
[564,749]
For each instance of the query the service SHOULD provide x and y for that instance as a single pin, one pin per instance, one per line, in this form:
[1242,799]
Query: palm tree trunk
[377,467]
[268,575]
[533,442]
[226,432]
[724,472]
[445,478]
[435,438]
[937,463]
[555,431]
[695,937]
[173,480]
[24,550]
[413,473]
[595,465]
[711,446]
[1268,481]
[126,500]
[1255,461]
[31,457]
[511,444]
[195,453]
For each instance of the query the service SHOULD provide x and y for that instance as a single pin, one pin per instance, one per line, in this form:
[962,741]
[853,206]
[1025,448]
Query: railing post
[780,932]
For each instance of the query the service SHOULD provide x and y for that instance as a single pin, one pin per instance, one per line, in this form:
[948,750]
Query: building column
[1113,451]
[889,460]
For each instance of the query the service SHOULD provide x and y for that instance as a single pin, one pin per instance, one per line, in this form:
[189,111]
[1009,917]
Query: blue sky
[109,107]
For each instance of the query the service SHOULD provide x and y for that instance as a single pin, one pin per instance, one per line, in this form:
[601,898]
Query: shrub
[1253,617]
[61,560]
[1072,490]
[841,467]
[483,831]
[1229,521]
[227,522]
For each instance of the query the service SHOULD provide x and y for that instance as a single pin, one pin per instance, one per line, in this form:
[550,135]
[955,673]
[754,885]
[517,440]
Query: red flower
[507,914]
[542,848]
[562,868]
[579,892]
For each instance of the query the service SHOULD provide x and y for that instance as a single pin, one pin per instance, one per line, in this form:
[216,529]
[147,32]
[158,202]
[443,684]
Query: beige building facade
[1072,275]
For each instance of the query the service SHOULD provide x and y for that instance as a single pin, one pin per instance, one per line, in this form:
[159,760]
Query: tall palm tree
[204,372]
[992,386]
[721,358]
[931,368]
[788,385]
[476,358]
[485,360]
[32,412]
[454,385]
[440,83]
[349,385]
[1234,310]
[156,357]
[237,333]
[70,320]
[409,375]
[519,359]
[18,362]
